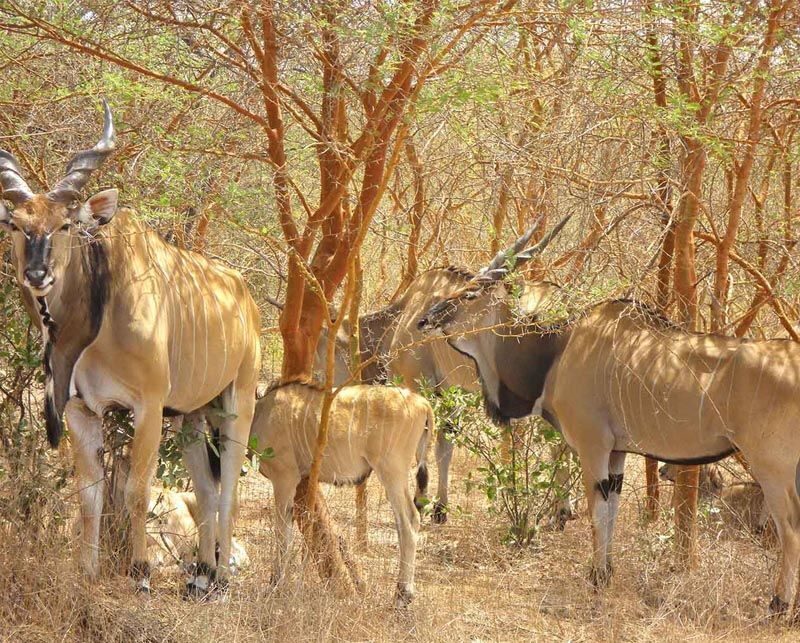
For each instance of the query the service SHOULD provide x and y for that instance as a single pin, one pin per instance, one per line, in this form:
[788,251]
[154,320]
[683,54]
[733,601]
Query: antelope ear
[99,209]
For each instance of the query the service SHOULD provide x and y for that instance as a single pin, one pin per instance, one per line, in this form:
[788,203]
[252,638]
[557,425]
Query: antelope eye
[65,227]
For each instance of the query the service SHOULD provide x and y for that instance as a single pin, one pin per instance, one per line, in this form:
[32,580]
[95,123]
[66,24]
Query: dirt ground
[469,585]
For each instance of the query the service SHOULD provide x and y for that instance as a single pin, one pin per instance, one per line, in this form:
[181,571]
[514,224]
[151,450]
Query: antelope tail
[213,447]
[430,428]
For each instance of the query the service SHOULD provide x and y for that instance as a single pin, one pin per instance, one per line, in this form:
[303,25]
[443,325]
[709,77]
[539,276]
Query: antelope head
[41,224]
[475,305]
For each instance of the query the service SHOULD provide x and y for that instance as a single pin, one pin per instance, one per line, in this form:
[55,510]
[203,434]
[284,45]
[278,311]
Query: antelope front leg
[239,404]
[144,455]
[780,493]
[616,469]
[561,455]
[598,491]
[86,430]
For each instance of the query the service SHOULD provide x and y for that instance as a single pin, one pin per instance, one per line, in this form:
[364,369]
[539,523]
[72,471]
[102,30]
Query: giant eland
[132,322]
[620,378]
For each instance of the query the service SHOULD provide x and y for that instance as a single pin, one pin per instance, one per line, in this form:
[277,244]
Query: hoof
[439,514]
[202,585]
[143,587]
[778,607]
[600,578]
[403,597]
[213,593]
[196,591]
[140,573]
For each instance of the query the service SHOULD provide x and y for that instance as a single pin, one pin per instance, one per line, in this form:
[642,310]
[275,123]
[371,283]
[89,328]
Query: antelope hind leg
[144,456]
[195,456]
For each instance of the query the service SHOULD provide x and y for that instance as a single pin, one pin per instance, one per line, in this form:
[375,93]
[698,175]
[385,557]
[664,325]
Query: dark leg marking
[604,487]
[778,607]
[615,482]
[403,597]
[200,589]
[204,569]
[140,569]
[439,514]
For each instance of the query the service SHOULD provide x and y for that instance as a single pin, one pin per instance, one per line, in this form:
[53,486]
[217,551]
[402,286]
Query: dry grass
[469,585]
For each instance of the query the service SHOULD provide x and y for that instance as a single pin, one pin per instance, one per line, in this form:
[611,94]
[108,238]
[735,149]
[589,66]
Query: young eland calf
[371,428]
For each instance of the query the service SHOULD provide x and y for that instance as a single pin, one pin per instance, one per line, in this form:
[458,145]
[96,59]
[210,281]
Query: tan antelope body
[393,348]
[132,322]
[172,530]
[620,379]
[371,428]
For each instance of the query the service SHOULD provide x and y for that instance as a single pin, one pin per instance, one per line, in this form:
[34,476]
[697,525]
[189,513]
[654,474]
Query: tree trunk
[688,477]
[327,548]
[664,203]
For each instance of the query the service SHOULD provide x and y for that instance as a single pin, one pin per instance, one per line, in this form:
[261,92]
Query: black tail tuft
[52,421]
[212,446]
[422,478]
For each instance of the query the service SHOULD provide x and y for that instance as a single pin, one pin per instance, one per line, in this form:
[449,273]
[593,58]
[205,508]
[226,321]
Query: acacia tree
[701,77]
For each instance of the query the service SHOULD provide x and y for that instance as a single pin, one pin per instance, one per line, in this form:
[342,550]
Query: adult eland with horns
[132,322]
[620,378]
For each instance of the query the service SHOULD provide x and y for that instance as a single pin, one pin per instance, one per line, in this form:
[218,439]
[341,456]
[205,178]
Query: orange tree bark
[342,231]
[765,293]
[416,214]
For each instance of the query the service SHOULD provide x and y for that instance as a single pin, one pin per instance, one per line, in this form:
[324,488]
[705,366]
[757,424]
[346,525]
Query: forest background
[313,145]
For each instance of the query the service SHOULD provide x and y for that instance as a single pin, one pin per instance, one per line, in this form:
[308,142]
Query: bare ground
[469,585]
